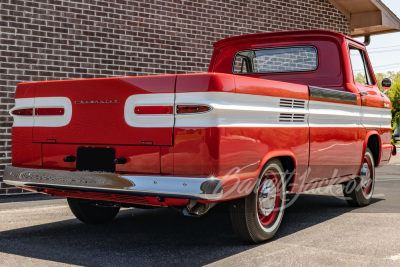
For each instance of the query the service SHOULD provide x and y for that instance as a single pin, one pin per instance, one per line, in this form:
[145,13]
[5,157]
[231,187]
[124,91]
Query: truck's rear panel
[132,115]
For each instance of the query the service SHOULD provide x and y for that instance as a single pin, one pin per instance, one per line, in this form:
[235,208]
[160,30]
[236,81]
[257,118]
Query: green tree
[393,93]
[360,78]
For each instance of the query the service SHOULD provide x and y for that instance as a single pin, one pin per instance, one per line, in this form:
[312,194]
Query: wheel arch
[288,161]
[373,142]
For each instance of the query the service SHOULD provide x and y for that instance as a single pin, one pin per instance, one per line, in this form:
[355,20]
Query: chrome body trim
[204,188]
[320,92]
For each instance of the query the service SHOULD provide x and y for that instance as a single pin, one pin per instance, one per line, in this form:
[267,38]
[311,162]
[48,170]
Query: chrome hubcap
[365,175]
[267,197]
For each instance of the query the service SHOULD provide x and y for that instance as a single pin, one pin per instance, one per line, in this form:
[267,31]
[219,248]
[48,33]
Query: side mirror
[386,84]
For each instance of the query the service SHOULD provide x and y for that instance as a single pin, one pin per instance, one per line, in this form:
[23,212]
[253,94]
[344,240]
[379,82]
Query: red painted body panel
[321,155]
[25,90]
[387,147]
[140,159]
[255,86]
[24,152]
[104,123]
[205,82]
[335,152]
[237,154]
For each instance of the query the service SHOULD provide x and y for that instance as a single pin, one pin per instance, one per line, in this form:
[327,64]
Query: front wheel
[358,192]
[88,212]
[257,217]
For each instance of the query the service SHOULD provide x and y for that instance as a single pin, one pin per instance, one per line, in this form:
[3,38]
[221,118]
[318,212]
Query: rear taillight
[180,109]
[146,110]
[39,112]
[49,111]
[23,112]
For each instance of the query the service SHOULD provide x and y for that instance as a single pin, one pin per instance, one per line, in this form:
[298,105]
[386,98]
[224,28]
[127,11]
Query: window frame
[367,68]
[273,48]
[245,62]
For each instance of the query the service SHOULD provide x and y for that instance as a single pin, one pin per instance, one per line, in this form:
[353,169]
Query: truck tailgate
[103,111]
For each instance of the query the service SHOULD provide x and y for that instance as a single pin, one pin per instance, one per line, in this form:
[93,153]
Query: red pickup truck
[276,113]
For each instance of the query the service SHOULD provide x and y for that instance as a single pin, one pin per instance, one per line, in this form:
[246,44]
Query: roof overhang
[368,17]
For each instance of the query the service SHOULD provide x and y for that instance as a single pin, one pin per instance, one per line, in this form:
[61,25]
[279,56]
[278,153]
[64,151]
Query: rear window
[273,60]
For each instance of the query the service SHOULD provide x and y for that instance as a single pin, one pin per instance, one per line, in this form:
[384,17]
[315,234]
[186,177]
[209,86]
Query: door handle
[364,93]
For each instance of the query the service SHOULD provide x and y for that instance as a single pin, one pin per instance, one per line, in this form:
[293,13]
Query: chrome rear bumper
[204,188]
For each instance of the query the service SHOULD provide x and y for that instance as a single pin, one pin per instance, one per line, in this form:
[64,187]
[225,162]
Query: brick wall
[54,39]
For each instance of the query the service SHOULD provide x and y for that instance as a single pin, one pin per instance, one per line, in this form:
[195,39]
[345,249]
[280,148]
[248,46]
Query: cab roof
[257,37]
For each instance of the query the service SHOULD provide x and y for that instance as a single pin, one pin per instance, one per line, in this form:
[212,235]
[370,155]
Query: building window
[275,60]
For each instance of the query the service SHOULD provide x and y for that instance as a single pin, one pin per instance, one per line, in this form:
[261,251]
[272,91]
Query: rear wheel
[88,212]
[257,217]
[358,192]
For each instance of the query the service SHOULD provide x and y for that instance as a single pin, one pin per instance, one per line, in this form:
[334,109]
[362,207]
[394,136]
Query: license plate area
[95,159]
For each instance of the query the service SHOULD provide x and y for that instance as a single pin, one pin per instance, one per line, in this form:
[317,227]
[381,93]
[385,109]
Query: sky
[384,50]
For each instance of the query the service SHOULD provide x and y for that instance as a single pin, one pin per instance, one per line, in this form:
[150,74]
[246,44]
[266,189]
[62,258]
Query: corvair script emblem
[96,102]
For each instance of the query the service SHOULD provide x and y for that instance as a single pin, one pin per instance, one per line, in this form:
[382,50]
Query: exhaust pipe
[196,209]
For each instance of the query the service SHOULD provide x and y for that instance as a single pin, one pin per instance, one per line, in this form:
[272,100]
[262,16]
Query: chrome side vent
[298,104]
[286,103]
[289,103]
[299,117]
[285,117]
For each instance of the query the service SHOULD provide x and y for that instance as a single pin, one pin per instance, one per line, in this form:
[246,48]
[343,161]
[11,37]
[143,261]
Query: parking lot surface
[319,229]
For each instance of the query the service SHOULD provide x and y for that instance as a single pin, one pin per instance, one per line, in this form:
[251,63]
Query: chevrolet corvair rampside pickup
[277,113]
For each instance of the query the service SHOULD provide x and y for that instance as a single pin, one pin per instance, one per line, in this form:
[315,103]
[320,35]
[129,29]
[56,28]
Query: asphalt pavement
[319,229]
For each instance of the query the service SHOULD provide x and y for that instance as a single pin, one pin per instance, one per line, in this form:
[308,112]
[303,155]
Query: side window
[244,62]
[241,65]
[360,67]
[276,60]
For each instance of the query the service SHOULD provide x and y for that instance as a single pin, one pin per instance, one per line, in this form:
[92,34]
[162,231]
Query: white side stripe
[376,117]
[243,110]
[325,114]
[143,121]
[42,121]
[23,121]
[228,110]
[53,121]
[236,110]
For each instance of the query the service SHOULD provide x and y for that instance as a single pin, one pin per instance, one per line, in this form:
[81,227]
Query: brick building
[55,39]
